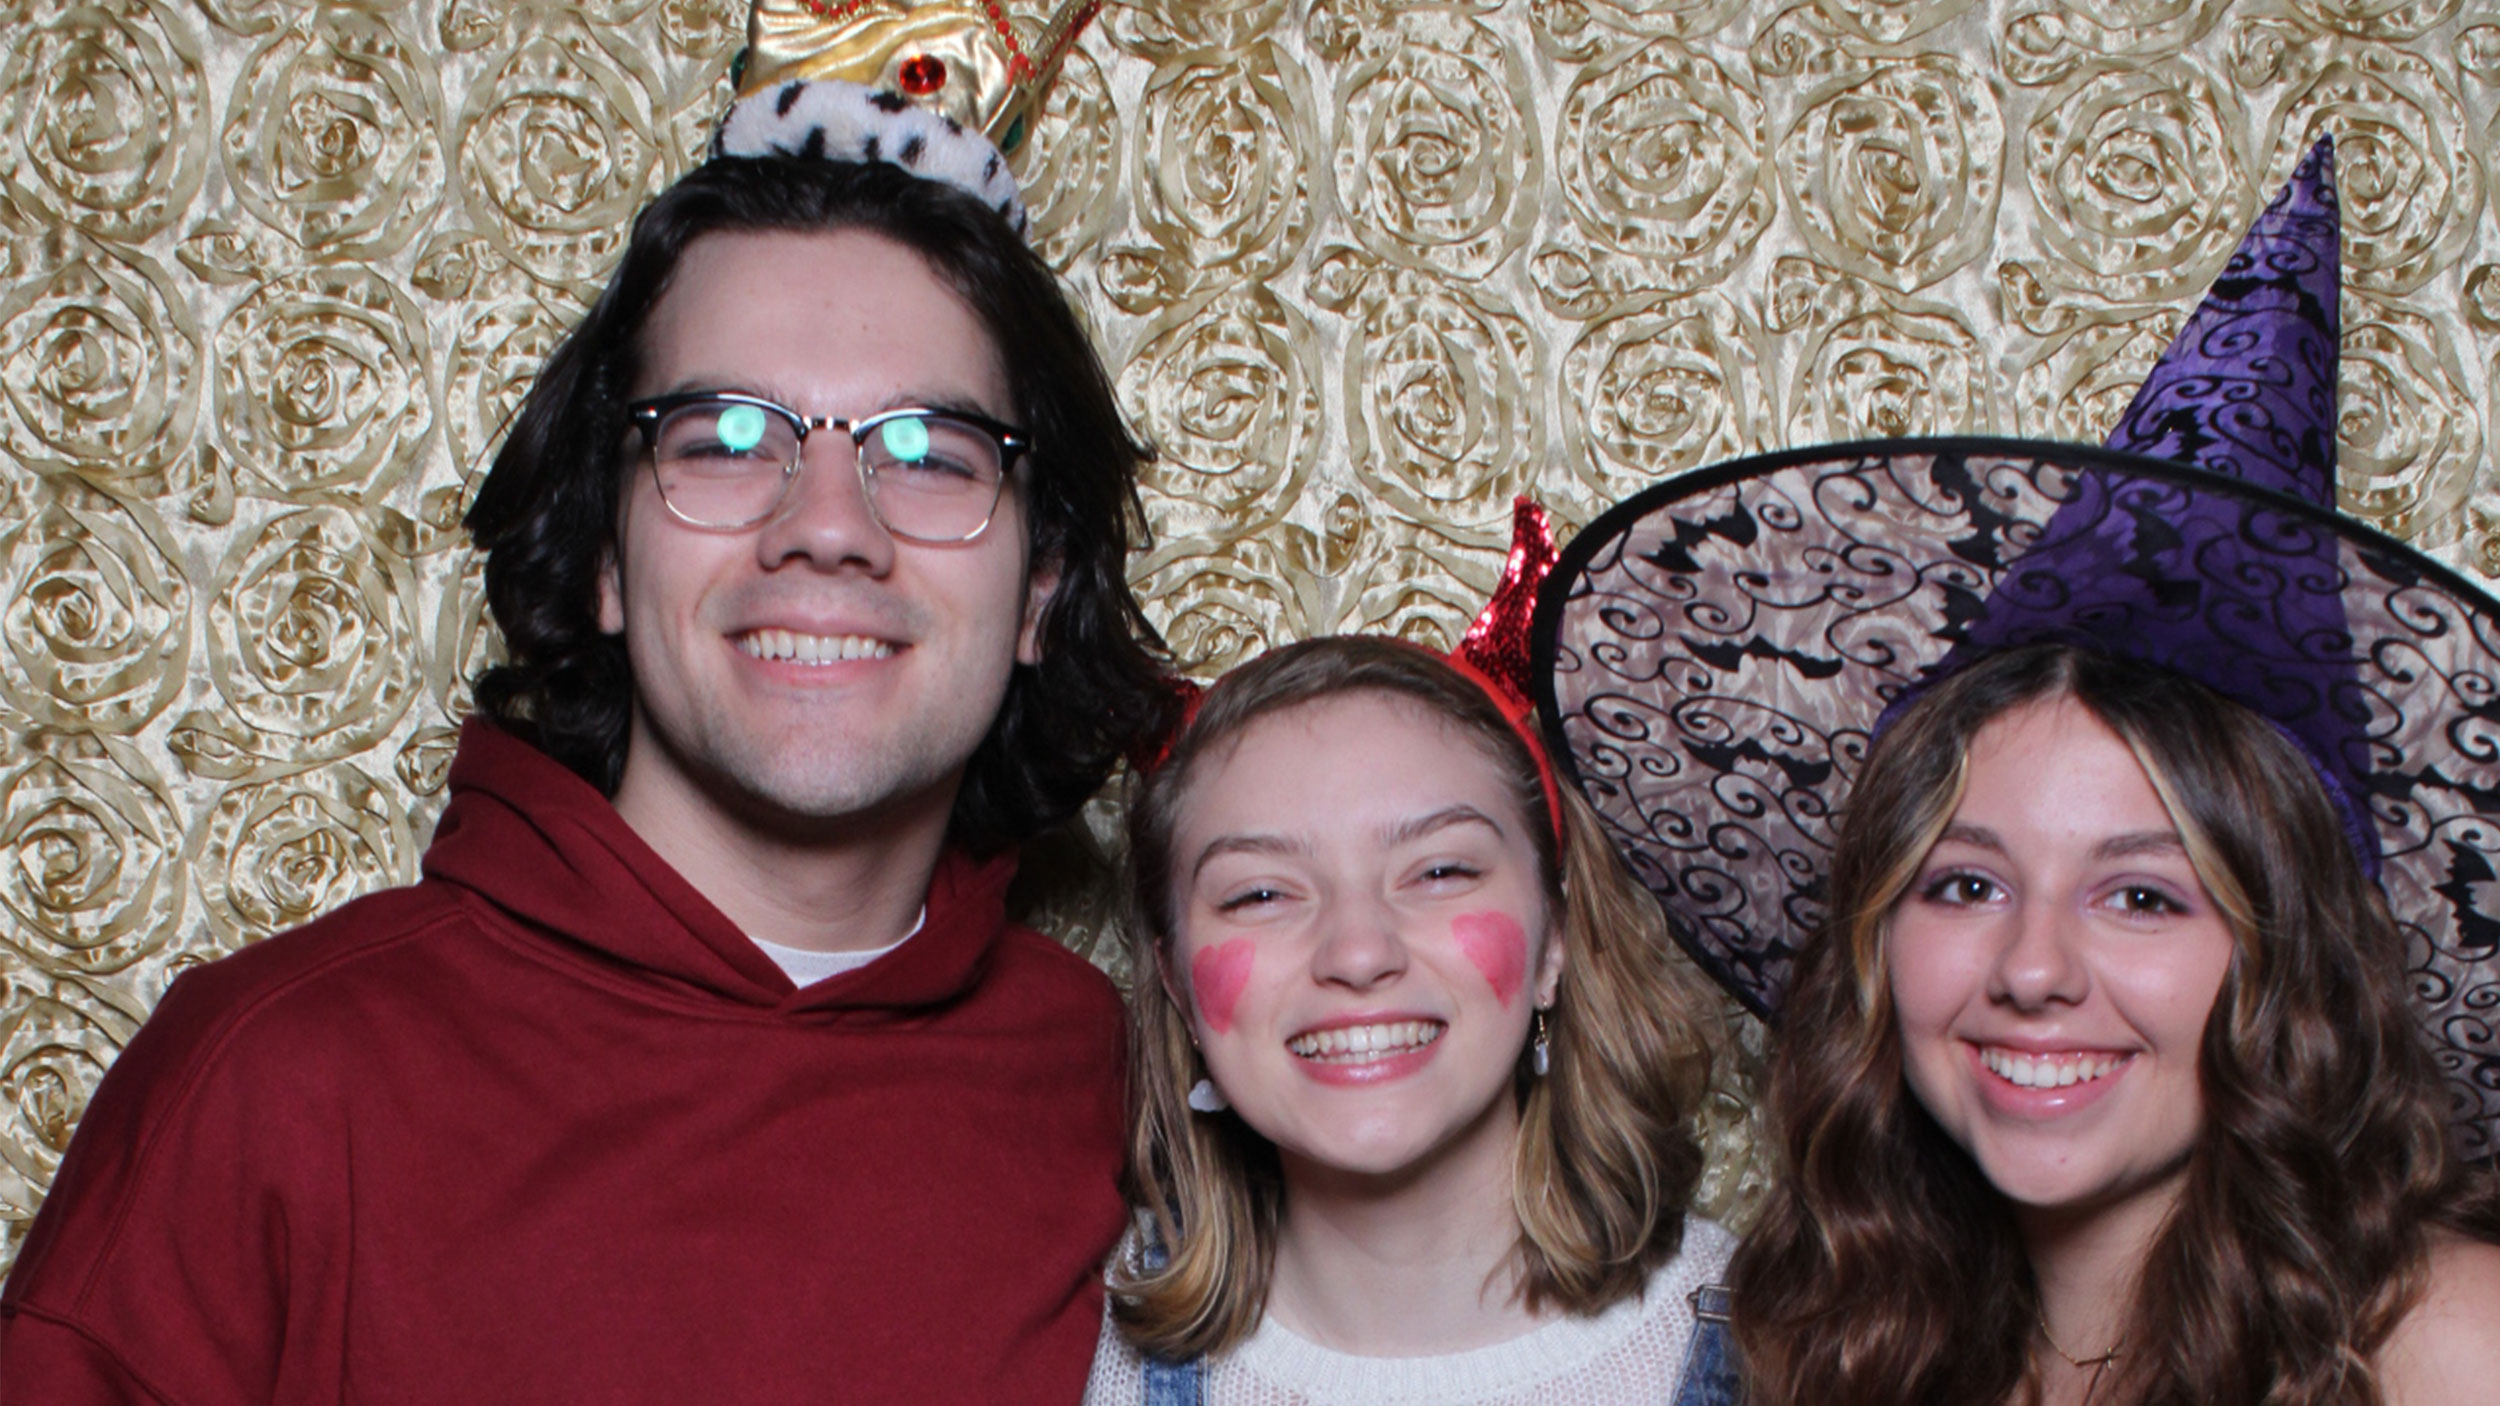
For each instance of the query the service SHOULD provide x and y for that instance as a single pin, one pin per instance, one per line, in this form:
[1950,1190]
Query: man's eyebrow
[948,402]
[1419,826]
[731,385]
[1246,844]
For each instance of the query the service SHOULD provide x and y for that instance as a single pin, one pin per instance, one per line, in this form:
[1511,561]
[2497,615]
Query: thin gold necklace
[2073,1361]
[2098,1364]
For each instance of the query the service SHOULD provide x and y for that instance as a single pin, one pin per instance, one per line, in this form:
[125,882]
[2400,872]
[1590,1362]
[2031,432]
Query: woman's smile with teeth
[2047,1071]
[1348,1044]
[812,649]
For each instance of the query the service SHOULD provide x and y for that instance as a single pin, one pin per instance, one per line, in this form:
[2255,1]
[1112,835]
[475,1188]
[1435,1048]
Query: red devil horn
[1151,752]
[1496,645]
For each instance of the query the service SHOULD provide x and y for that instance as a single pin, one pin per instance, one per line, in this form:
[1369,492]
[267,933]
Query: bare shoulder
[2448,1348]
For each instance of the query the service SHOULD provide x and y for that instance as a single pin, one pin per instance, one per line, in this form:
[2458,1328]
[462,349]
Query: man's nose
[825,519]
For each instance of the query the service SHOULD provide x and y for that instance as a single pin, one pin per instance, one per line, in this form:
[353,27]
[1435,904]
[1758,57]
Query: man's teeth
[812,649]
[2048,1071]
[1353,1044]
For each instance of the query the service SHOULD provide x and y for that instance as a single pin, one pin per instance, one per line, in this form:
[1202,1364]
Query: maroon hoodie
[546,1127]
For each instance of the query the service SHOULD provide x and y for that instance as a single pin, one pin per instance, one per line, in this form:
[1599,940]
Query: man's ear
[611,594]
[1039,587]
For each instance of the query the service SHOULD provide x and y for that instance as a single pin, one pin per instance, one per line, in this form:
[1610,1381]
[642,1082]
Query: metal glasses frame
[646,415]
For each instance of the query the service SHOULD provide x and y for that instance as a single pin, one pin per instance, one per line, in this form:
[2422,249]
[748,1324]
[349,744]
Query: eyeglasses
[726,461]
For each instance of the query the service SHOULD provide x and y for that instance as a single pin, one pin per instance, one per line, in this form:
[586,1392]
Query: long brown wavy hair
[1886,1268]
[1607,1158]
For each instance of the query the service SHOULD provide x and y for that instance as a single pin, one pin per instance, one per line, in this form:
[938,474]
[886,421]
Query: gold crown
[962,58]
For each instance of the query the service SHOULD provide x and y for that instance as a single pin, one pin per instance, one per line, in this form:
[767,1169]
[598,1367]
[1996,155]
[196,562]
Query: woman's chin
[2074,1184]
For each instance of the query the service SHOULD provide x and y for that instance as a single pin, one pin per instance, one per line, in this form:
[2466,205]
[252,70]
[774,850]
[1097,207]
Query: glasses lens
[933,476]
[723,462]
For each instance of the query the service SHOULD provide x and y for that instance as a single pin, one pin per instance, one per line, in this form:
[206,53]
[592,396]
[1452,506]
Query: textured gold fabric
[839,39]
[273,273]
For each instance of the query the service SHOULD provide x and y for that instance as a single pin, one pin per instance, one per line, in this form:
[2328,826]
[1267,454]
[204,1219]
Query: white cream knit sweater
[1632,1352]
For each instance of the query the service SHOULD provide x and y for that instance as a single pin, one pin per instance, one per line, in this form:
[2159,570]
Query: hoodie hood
[527,837]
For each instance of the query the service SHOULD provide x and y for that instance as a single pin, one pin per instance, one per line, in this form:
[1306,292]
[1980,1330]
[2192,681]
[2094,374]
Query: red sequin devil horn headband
[1493,654]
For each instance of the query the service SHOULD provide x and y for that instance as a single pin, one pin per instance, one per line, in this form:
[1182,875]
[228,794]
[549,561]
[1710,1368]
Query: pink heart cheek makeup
[1217,976]
[1498,947]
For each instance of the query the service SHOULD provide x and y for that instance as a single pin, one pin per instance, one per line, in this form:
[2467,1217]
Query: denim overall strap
[1176,1383]
[1170,1383]
[1711,1375]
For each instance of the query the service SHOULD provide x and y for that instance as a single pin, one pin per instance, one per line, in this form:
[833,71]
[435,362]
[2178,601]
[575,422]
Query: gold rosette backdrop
[274,272]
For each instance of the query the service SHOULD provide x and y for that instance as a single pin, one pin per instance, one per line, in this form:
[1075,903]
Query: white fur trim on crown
[833,120]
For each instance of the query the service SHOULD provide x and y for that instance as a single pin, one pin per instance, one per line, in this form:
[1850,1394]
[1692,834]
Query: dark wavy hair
[1607,1156]
[1887,1269]
[546,515]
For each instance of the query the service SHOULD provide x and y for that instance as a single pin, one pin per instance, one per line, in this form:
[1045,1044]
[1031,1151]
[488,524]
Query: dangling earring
[1540,1054]
[1204,1096]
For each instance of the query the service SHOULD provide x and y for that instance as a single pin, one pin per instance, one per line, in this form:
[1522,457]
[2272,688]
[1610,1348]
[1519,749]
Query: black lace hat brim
[1712,655]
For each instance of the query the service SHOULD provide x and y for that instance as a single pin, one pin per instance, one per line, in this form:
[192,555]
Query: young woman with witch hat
[2127,824]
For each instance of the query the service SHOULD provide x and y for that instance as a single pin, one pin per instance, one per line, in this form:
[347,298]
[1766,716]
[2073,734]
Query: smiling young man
[702,1064]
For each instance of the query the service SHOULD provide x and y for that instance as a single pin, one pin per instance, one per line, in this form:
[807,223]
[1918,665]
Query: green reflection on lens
[741,428]
[907,440]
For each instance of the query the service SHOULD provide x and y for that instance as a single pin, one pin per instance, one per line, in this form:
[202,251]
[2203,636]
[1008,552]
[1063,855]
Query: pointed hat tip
[2248,387]
[2311,189]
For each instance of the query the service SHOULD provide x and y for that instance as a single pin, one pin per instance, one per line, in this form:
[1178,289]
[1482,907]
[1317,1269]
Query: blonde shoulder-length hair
[1607,1158]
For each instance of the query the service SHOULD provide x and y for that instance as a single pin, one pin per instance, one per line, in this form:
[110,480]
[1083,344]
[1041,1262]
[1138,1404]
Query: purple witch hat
[1714,655]
[2148,570]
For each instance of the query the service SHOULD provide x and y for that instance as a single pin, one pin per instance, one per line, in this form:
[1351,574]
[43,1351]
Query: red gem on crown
[922,74]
